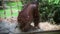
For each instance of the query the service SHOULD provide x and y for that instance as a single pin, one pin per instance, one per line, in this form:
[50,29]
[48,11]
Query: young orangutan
[27,15]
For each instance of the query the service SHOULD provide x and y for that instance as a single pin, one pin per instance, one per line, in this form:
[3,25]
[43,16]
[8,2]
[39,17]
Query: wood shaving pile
[47,26]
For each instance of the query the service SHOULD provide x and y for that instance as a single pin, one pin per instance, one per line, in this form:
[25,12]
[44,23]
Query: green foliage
[11,6]
[49,7]
[53,1]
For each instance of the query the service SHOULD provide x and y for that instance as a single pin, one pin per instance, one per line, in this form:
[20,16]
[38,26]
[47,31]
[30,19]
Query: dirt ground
[11,23]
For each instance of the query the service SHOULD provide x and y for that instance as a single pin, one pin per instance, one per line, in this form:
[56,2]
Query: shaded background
[9,13]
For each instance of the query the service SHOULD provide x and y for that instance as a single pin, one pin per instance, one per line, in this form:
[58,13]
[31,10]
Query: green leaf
[56,1]
[50,0]
[53,1]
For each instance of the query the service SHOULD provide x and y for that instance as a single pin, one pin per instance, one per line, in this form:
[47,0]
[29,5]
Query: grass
[8,10]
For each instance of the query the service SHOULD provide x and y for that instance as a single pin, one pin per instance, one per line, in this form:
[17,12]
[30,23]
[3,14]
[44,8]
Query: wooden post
[3,6]
[11,12]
